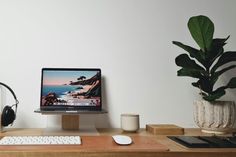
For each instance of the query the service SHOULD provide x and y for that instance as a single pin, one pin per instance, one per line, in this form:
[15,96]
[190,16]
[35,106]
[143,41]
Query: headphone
[8,114]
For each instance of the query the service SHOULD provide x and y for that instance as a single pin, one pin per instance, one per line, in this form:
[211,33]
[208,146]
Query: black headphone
[8,114]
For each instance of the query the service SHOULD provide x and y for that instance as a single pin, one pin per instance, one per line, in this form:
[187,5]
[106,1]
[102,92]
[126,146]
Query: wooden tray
[96,144]
[164,129]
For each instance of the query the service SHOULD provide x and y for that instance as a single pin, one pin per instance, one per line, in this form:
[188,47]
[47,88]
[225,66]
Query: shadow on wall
[104,120]
[230,93]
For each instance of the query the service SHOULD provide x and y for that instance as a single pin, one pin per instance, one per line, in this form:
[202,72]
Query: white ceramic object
[122,139]
[216,117]
[130,122]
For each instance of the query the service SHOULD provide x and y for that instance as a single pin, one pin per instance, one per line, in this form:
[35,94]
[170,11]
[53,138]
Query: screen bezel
[92,108]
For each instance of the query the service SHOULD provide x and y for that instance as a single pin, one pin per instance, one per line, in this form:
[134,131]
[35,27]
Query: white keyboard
[40,140]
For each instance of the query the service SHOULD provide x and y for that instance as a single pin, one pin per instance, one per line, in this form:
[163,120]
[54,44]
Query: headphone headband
[8,114]
[12,92]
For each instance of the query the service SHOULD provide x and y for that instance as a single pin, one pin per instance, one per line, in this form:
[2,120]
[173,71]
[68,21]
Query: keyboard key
[40,140]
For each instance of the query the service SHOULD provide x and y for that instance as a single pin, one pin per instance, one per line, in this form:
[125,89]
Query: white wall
[130,40]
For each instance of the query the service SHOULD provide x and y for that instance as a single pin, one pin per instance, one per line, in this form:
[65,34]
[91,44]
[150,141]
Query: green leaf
[232,83]
[199,85]
[204,84]
[216,75]
[215,95]
[224,58]
[194,53]
[218,43]
[189,72]
[203,94]
[202,30]
[216,49]
[184,61]
[196,84]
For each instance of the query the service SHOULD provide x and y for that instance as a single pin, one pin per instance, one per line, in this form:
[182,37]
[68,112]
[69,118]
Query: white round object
[130,122]
[122,139]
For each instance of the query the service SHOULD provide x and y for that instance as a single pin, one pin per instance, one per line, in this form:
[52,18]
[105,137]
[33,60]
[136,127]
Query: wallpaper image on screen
[71,88]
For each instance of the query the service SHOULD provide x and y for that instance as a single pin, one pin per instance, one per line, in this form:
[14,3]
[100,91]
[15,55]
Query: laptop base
[70,112]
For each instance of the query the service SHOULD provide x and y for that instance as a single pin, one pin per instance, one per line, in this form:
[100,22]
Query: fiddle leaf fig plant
[208,62]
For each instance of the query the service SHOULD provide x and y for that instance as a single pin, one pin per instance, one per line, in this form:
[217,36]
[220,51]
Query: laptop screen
[71,88]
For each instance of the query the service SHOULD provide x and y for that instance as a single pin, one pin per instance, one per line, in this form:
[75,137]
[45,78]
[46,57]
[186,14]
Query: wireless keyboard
[40,140]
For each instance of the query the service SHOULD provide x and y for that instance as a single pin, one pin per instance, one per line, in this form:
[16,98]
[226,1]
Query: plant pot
[216,117]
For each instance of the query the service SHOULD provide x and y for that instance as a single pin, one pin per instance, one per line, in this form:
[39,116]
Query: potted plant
[206,64]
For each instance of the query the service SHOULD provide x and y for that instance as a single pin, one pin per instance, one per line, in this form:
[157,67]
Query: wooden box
[164,129]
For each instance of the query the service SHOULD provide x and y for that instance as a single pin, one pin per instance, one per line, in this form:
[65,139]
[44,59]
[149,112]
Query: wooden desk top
[93,147]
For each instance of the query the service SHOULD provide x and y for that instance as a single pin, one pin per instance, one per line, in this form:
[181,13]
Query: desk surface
[106,149]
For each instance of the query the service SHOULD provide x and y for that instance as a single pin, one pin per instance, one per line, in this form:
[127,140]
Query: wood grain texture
[103,146]
[97,144]
[164,129]
[70,122]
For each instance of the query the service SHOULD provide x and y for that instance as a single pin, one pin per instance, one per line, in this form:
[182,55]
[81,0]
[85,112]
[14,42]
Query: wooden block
[164,129]
[70,122]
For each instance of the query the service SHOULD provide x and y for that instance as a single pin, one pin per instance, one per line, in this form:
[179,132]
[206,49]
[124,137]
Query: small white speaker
[130,122]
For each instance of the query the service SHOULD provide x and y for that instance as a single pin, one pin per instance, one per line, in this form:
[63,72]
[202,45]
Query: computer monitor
[71,89]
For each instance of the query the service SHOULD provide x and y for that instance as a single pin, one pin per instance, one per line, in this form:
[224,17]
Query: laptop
[70,90]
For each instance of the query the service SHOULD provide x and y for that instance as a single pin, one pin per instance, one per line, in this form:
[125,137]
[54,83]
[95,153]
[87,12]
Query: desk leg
[70,122]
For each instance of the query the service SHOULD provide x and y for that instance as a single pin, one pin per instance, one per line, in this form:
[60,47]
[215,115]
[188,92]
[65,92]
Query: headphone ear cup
[8,116]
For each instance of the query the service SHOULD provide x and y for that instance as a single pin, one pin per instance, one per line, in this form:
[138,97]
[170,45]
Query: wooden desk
[175,150]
